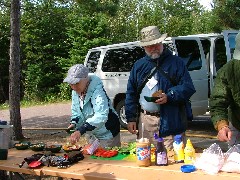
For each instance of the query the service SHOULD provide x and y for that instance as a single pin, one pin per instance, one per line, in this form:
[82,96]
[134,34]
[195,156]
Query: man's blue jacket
[173,117]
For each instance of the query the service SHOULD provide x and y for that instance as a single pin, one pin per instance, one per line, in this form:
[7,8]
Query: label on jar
[178,152]
[161,158]
[143,153]
[189,156]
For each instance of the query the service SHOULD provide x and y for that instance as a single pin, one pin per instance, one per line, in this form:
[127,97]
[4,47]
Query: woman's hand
[71,126]
[75,137]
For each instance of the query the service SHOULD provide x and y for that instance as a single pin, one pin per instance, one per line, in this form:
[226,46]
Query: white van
[204,54]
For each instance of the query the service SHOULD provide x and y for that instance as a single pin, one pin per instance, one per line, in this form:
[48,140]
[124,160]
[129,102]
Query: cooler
[5,140]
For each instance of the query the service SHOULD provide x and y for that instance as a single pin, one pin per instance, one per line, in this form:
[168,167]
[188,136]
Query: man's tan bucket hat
[150,35]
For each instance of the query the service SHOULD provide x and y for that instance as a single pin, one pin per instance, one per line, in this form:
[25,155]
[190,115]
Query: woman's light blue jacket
[97,114]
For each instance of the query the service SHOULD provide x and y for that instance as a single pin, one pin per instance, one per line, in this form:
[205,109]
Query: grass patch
[25,103]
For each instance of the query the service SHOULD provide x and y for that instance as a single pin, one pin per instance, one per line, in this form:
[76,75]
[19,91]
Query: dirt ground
[43,116]
[38,118]
[46,123]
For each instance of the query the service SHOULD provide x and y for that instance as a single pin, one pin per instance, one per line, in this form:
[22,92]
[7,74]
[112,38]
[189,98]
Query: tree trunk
[14,71]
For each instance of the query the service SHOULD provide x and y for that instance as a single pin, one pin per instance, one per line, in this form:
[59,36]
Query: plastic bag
[211,160]
[93,144]
[232,160]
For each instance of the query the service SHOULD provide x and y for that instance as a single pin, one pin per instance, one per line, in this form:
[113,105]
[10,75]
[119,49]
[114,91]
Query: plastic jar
[178,148]
[143,153]
[189,153]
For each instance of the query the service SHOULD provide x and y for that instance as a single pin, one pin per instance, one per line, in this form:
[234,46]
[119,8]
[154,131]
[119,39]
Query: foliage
[87,29]
[65,92]
[44,42]
[86,32]
[108,7]
[55,34]
[54,38]
[171,16]
[124,26]
[4,52]
[227,13]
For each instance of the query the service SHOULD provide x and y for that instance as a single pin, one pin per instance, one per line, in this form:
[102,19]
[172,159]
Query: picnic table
[89,169]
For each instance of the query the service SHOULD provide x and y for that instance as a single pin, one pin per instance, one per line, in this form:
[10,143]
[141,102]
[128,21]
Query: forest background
[55,34]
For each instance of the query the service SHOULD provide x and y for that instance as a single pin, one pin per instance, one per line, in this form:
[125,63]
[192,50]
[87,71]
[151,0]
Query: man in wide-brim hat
[150,35]
[167,115]
[151,40]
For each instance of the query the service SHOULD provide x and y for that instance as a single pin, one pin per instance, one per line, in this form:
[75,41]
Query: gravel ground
[44,116]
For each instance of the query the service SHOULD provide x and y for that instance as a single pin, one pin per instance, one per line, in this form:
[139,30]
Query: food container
[69,148]
[55,148]
[37,147]
[21,145]
[150,99]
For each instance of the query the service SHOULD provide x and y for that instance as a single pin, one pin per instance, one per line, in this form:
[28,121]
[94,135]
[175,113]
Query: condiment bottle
[161,158]
[178,148]
[143,152]
[189,153]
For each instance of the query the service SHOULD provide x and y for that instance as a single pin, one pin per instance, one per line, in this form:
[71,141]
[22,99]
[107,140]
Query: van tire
[120,108]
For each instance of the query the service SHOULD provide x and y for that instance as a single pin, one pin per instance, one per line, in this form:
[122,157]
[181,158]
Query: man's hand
[162,99]
[75,137]
[224,134]
[132,127]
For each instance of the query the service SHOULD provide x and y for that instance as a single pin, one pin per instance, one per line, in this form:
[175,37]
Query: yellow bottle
[178,148]
[189,153]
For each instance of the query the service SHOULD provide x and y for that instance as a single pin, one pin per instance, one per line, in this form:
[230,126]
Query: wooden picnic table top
[108,169]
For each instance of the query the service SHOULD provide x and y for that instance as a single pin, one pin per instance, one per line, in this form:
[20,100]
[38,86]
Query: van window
[122,59]
[92,61]
[189,51]
[232,42]
[220,53]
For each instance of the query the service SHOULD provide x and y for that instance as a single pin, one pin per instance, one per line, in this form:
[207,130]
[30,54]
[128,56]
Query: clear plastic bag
[211,160]
[232,160]
[93,143]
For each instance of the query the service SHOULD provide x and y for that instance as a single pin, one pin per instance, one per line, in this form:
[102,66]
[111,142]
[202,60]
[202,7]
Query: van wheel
[120,108]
